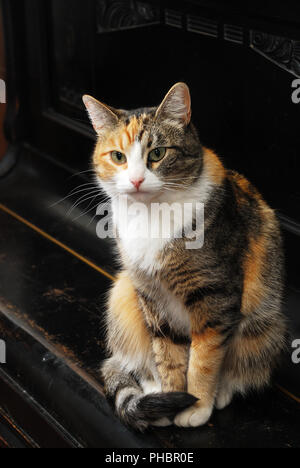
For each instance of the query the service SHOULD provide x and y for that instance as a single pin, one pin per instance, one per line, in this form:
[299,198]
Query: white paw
[150,386]
[163,422]
[194,417]
[224,398]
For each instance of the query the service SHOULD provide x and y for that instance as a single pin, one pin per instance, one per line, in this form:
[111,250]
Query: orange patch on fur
[205,360]
[120,140]
[244,184]
[253,281]
[132,129]
[132,336]
[248,189]
[214,166]
[205,339]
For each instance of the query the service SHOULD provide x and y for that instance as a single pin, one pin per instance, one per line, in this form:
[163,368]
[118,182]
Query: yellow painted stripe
[55,241]
[284,390]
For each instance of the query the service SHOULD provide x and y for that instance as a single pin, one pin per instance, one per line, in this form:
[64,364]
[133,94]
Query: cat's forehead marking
[130,130]
[121,138]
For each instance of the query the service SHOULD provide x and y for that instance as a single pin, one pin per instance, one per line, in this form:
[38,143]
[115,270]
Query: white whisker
[82,200]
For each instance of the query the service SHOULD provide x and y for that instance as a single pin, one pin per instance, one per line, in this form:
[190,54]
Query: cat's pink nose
[137,182]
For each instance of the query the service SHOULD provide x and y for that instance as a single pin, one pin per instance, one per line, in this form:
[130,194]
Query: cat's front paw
[195,416]
[163,422]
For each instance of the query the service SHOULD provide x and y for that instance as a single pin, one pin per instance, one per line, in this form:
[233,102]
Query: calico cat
[186,329]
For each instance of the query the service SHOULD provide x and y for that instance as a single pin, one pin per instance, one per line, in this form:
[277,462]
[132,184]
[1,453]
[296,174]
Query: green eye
[118,158]
[157,154]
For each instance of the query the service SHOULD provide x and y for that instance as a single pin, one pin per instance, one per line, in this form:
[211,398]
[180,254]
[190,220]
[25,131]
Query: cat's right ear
[176,107]
[102,117]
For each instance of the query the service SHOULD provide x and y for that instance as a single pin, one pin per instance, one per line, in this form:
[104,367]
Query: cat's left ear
[176,107]
[102,117]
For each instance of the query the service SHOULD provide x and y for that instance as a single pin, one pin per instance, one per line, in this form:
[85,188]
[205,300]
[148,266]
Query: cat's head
[146,153]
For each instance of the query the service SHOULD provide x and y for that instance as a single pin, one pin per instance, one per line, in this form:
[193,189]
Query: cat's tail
[140,411]
[136,409]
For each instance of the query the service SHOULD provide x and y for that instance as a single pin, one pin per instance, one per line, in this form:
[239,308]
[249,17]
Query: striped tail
[134,408]
[139,411]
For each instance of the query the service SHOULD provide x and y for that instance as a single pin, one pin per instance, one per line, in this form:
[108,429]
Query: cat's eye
[157,155]
[118,158]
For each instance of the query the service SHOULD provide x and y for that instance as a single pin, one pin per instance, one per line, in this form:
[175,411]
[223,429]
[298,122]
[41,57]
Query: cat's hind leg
[252,355]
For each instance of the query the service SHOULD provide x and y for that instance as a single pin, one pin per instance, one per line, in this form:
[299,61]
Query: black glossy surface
[28,423]
[9,438]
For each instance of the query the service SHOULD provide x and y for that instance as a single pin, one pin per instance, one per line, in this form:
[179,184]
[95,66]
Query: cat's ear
[176,107]
[102,117]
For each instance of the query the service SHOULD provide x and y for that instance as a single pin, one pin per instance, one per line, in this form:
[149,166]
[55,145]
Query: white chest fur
[141,235]
[145,229]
